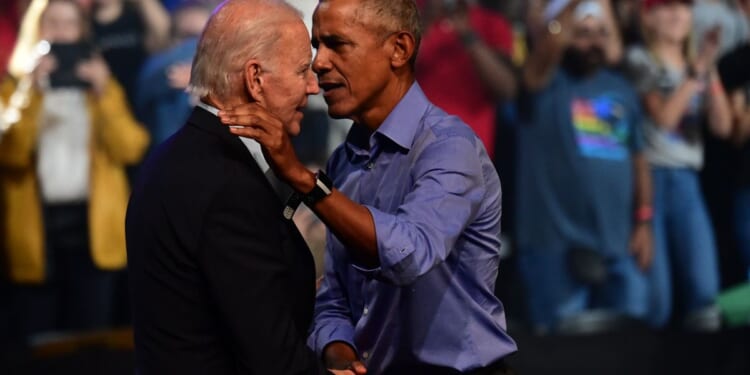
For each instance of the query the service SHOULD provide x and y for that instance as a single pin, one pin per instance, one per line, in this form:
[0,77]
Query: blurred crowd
[619,128]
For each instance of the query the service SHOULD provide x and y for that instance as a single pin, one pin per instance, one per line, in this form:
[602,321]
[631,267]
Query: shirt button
[366,311]
[370,165]
[365,355]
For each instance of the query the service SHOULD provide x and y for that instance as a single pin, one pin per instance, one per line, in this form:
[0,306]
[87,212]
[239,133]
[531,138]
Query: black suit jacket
[220,282]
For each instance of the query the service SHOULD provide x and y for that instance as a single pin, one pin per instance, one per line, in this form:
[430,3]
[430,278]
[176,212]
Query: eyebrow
[329,39]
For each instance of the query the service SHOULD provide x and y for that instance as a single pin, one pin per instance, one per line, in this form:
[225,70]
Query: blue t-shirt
[575,169]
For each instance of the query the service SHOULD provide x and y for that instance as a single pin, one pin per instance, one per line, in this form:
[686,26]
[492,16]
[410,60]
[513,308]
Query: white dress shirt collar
[252,145]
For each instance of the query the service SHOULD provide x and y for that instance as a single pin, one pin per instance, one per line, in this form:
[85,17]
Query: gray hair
[389,16]
[238,30]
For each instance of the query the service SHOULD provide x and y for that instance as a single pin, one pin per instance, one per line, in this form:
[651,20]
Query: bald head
[238,30]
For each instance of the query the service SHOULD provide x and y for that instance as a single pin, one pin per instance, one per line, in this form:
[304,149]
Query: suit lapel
[206,121]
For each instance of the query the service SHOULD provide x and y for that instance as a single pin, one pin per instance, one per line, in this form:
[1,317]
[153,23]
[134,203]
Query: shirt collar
[209,108]
[400,126]
[404,121]
[255,150]
[252,145]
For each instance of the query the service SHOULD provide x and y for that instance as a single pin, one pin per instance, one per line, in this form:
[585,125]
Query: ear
[253,80]
[404,48]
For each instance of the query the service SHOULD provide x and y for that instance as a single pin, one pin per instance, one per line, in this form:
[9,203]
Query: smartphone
[68,56]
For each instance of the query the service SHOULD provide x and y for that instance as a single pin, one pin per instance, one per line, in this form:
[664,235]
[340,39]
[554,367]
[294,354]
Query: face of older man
[352,61]
[288,79]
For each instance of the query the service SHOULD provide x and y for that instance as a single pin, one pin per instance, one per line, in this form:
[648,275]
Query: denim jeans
[742,225]
[553,293]
[684,246]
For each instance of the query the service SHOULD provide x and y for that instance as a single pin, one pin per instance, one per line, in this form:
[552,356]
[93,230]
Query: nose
[311,87]
[321,62]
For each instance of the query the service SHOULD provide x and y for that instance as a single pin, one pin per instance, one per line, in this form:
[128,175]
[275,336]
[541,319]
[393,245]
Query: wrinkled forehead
[296,40]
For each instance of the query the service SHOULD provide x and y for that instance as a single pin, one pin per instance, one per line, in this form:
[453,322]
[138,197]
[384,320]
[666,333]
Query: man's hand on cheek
[253,121]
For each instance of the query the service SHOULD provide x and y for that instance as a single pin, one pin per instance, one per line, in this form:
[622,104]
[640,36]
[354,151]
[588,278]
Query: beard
[583,62]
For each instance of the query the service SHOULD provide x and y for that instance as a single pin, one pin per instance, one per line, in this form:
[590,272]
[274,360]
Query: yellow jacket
[117,140]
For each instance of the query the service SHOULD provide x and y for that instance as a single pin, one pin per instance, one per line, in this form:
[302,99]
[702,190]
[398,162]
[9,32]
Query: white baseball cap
[588,8]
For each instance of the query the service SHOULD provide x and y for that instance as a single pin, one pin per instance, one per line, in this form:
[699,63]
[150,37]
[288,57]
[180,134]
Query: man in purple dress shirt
[412,205]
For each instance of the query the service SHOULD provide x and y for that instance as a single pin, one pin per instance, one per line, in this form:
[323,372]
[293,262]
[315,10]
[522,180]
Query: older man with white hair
[221,280]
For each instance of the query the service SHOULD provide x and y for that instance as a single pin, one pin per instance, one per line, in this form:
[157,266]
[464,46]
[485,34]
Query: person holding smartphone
[63,182]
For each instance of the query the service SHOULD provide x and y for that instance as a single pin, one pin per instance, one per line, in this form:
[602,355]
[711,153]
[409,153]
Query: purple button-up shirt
[435,198]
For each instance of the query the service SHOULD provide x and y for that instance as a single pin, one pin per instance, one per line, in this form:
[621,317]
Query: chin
[338,112]
[293,128]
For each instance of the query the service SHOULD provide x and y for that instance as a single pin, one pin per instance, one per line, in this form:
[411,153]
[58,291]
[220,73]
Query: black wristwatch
[323,188]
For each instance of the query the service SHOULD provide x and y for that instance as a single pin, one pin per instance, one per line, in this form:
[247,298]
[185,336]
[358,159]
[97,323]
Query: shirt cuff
[394,249]
[333,333]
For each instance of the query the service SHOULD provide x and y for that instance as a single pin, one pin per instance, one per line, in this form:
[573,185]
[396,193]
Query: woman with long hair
[681,92]
[62,178]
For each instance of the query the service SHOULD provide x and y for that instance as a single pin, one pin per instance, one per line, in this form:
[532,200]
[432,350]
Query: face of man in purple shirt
[359,59]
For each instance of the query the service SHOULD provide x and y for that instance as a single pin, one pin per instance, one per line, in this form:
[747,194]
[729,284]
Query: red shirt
[9,24]
[447,75]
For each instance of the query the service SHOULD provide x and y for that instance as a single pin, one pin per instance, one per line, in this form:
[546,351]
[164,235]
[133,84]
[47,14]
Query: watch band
[323,188]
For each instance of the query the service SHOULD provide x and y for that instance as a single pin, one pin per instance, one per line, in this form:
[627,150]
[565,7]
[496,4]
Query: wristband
[716,86]
[644,214]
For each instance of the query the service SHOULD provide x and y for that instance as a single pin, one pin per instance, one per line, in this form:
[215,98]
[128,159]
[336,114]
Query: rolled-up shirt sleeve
[445,198]
[333,318]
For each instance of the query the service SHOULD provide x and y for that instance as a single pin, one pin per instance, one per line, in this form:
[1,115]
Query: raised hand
[253,121]
[179,75]
[94,71]
[47,65]
[708,52]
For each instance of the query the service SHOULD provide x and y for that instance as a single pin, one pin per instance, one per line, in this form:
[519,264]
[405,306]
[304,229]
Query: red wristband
[716,86]
[644,214]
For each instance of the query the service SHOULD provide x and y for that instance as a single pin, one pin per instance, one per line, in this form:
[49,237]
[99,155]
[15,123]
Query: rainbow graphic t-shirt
[601,128]
[575,172]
